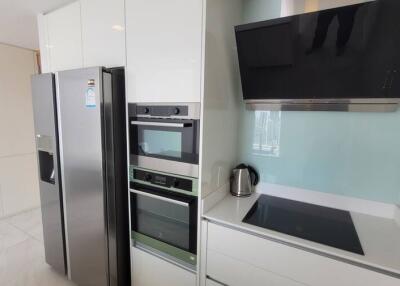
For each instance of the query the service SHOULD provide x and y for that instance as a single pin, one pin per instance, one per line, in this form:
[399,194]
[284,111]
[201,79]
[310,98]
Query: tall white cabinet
[164,50]
[84,33]
[103,33]
[64,38]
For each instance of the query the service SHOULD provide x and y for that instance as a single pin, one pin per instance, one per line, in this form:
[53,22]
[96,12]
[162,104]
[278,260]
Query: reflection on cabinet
[164,46]
[150,270]
[65,38]
[85,33]
[236,258]
[103,33]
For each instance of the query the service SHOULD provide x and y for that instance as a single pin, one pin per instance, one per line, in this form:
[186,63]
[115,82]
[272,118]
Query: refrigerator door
[79,100]
[44,107]
[115,151]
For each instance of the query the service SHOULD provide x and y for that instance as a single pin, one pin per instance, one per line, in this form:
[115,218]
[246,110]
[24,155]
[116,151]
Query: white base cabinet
[149,270]
[236,258]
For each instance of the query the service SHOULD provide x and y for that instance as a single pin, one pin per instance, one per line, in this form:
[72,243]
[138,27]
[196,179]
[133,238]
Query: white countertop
[379,236]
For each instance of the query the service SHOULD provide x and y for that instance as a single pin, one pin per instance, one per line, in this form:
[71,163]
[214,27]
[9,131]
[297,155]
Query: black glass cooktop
[323,225]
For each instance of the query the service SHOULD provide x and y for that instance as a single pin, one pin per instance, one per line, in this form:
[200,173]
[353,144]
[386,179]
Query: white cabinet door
[149,270]
[65,38]
[103,33]
[164,46]
[243,255]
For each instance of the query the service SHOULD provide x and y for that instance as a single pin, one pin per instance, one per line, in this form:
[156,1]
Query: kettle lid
[242,166]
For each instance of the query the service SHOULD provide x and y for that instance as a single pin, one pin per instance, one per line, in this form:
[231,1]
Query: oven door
[167,145]
[165,222]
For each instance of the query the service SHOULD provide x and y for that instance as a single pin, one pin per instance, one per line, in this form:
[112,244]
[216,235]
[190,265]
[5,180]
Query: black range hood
[341,59]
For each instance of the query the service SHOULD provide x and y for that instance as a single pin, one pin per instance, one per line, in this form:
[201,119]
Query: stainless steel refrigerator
[80,130]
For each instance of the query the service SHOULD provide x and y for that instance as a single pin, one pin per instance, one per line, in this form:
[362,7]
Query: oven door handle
[176,202]
[161,124]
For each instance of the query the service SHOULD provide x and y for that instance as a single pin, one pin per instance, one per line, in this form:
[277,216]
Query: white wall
[221,94]
[260,10]
[291,7]
[18,170]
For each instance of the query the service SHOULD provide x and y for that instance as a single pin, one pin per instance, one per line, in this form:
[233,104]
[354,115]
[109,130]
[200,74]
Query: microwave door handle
[160,198]
[161,124]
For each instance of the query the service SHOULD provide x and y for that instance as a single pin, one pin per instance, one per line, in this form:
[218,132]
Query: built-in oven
[164,215]
[165,137]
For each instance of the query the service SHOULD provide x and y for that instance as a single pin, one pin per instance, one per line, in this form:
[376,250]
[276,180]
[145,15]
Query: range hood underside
[344,105]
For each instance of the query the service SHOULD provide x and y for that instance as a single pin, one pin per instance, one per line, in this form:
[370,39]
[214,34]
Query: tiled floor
[22,254]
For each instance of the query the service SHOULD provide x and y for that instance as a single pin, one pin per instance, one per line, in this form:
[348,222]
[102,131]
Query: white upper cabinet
[85,33]
[65,38]
[164,50]
[103,33]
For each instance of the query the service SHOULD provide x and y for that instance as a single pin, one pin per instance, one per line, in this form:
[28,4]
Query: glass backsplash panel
[352,154]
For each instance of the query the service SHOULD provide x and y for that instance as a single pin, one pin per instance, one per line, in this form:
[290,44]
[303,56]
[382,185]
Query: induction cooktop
[319,224]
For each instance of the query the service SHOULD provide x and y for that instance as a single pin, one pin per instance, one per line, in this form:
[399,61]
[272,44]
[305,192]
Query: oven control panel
[167,110]
[163,180]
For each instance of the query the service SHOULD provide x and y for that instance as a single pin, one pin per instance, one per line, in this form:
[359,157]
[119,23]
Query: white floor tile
[10,236]
[29,221]
[22,261]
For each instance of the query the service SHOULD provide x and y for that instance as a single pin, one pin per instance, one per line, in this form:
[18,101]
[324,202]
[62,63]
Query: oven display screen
[161,180]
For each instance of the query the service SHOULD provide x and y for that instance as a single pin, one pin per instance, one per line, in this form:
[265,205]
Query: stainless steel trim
[317,252]
[62,171]
[344,105]
[163,256]
[194,109]
[110,223]
[161,124]
[168,166]
[159,198]
[44,143]
[195,181]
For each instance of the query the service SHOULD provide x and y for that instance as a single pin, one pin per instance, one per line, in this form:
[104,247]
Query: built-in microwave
[165,137]
[164,215]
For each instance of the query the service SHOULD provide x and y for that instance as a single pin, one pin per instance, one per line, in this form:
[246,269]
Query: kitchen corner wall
[221,101]
[18,170]
[351,154]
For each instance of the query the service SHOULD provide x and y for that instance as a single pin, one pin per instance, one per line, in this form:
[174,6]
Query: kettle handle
[254,174]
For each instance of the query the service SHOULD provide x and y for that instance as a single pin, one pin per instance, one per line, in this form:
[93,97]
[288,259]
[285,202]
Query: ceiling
[18,25]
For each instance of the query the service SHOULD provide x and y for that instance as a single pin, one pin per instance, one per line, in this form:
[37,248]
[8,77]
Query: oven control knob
[146,110]
[176,183]
[148,177]
[176,111]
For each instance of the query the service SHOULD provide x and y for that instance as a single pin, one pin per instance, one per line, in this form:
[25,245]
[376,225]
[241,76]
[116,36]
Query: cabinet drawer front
[234,272]
[149,270]
[295,264]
